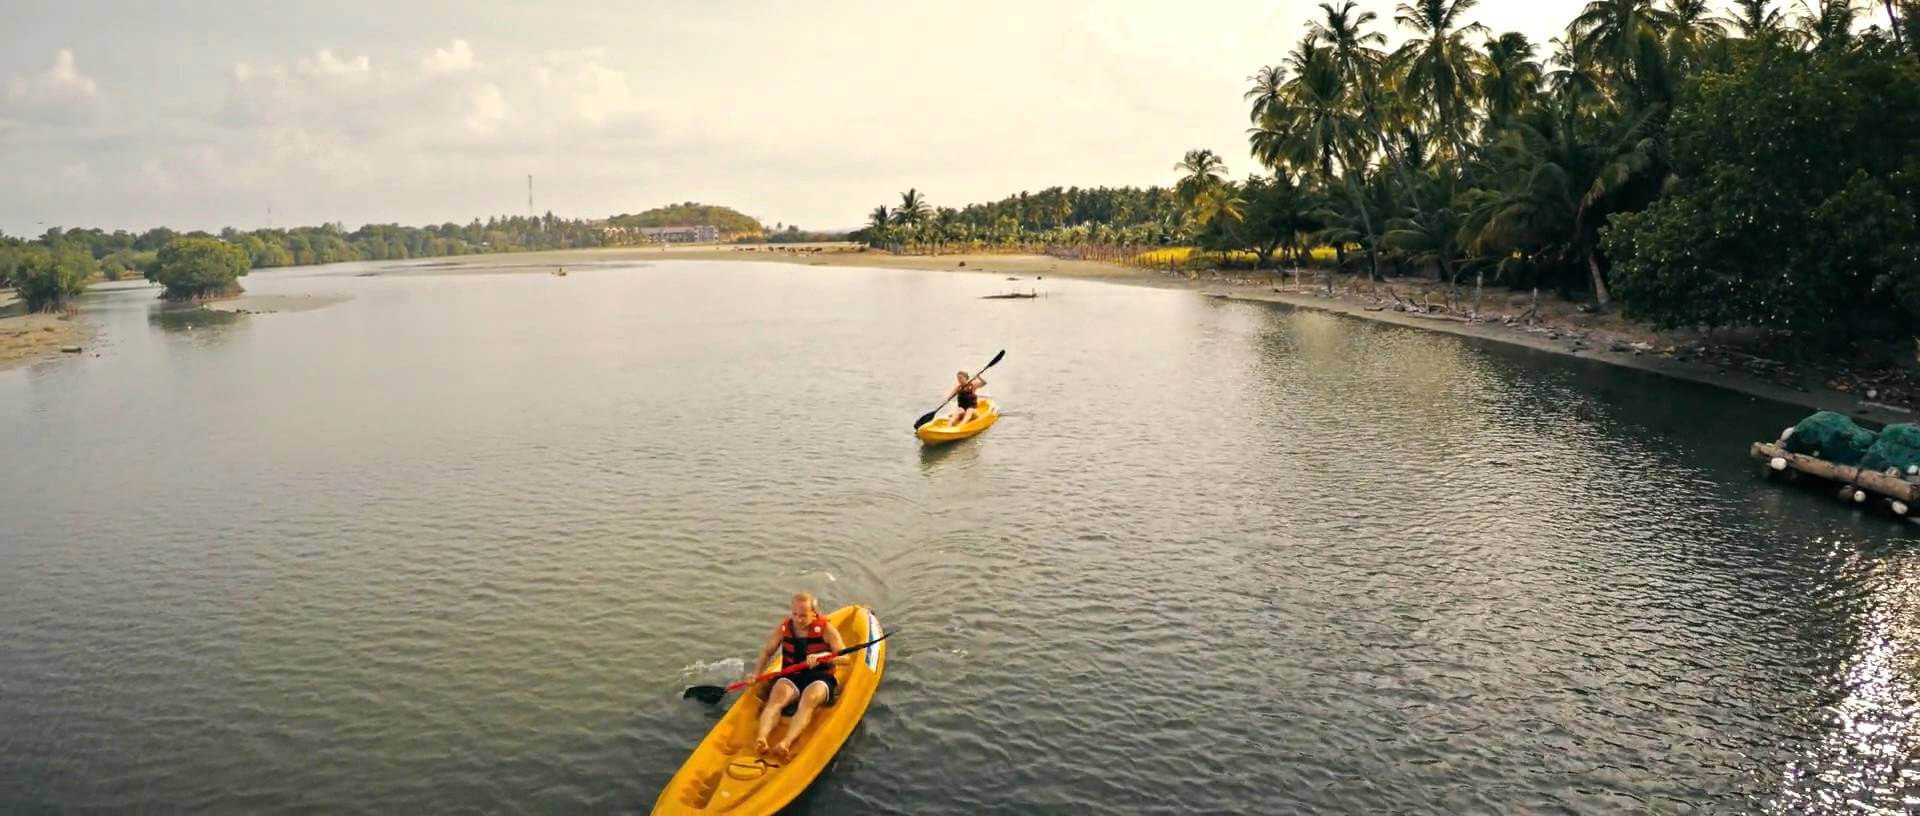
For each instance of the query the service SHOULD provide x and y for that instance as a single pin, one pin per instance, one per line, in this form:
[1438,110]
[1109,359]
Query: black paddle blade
[711,695]
[925,418]
[996,361]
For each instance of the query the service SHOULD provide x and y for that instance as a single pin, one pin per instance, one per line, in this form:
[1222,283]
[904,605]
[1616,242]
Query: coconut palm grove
[1692,163]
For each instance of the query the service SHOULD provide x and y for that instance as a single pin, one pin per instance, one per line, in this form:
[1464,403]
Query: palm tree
[1327,129]
[1613,32]
[1430,231]
[913,209]
[1355,52]
[1323,126]
[1267,93]
[1588,164]
[1574,82]
[1827,26]
[1754,21]
[1204,171]
[1220,204]
[1509,76]
[1691,29]
[1438,64]
[1282,212]
[1357,59]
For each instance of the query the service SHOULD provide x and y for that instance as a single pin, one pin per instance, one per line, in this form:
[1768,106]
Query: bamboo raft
[1887,490]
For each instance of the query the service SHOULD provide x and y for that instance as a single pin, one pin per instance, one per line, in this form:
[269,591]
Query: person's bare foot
[760,746]
[784,750]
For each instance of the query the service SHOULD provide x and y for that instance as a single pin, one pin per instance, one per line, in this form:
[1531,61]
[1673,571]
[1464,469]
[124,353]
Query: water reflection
[191,318]
[1860,763]
[934,458]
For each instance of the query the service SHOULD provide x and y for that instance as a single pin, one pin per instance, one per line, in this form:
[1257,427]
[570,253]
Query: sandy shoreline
[27,337]
[1560,327]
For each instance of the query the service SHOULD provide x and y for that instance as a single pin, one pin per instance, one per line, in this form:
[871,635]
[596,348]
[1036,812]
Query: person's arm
[835,642]
[979,383]
[766,654]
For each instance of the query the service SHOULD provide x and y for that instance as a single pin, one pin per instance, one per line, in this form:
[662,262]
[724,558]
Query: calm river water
[457,543]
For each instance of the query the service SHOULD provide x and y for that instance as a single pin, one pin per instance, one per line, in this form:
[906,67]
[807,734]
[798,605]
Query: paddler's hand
[819,658]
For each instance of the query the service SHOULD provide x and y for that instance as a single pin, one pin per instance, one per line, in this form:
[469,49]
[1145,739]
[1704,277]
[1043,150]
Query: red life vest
[795,647]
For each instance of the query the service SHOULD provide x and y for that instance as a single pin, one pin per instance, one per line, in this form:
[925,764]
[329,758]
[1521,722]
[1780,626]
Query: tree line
[49,270]
[1702,166]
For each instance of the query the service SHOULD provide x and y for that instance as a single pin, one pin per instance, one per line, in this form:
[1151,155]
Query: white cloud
[77,173]
[156,174]
[453,59]
[596,94]
[59,94]
[325,65]
[488,110]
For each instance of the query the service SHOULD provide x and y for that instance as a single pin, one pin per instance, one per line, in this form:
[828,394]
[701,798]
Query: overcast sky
[203,114]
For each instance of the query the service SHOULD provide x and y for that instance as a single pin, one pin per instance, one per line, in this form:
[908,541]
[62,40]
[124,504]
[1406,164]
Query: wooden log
[1892,487]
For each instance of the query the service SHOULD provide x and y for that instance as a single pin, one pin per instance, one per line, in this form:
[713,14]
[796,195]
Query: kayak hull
[941,430]
[725,775]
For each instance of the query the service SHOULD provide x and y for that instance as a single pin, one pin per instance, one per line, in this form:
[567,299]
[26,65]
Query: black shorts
[968,400]
[801,680]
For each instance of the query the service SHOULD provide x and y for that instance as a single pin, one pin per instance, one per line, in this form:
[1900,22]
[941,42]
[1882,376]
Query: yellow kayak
[726,775]
[942,430]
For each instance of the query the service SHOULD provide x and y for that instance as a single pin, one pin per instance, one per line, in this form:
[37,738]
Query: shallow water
[458,542]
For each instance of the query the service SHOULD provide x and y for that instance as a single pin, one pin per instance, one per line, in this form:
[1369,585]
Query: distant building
[704,233]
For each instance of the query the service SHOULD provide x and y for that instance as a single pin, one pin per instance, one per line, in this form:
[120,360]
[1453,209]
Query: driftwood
[1873,481]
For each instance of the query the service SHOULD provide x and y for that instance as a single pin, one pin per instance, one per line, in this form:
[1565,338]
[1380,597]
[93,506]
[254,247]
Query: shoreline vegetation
[1739,183]
[42,277]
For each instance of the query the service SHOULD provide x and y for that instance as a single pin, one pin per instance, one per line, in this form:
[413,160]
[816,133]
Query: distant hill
[730,222]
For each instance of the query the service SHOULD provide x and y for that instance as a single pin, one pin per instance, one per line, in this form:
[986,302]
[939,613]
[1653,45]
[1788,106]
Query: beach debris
[70,349]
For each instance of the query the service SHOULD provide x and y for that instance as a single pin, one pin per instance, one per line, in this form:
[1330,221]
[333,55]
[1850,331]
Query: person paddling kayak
[967,389]
[804,636]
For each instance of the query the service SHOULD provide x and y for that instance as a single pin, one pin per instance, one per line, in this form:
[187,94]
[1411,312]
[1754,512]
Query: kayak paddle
[928,416]
[712,694]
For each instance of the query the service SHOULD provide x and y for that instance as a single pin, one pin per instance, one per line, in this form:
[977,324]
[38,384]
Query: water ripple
[436,548]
